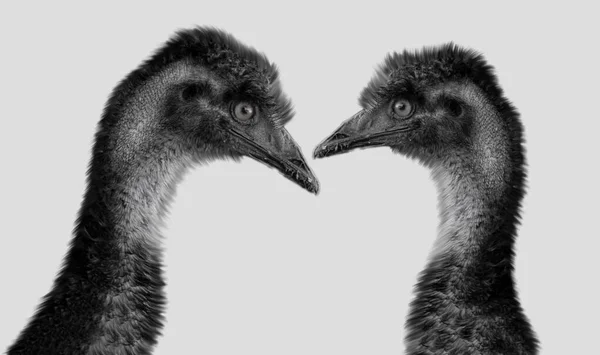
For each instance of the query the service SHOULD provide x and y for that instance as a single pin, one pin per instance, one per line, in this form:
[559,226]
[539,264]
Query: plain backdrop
[256,265]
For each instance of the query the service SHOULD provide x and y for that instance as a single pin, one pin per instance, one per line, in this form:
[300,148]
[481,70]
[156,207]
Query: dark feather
[440,63]
[223,54]
[464,309]
[65,321]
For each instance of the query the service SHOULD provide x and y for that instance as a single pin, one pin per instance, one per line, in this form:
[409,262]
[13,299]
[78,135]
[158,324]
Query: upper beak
[364,129]
[277,149]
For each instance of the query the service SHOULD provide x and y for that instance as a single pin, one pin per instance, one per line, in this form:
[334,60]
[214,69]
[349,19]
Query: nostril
[299,163]
[339,136]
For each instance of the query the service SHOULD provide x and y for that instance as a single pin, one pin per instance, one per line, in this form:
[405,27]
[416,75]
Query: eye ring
[243,111]
[401,108]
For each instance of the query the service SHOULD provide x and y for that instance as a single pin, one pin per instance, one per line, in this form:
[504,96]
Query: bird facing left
[202,96]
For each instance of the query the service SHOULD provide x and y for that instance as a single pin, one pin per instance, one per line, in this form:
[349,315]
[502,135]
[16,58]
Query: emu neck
[137,173]
[474,186]
[465,301]
[475,233]
[108,298]
[469,214]
[128,254]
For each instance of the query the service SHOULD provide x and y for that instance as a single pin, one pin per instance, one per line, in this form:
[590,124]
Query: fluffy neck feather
[108,297]
[465,298]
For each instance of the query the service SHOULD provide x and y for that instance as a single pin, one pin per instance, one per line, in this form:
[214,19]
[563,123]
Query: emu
[443,106]
[202,96]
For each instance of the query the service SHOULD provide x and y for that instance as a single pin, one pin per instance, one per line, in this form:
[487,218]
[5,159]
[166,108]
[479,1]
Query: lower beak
[338,143]
[360,132]
[285,157]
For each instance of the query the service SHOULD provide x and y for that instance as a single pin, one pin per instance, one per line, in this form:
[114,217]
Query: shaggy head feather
[429,66]
[221,53]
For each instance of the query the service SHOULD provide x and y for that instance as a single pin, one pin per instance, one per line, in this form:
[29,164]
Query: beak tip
[319,152]
[314,187]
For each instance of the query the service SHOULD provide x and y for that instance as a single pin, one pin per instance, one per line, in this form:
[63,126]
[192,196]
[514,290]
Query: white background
[256,265]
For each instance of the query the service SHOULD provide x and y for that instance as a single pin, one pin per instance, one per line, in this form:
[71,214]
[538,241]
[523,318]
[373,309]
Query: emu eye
[402,108]
[243,111]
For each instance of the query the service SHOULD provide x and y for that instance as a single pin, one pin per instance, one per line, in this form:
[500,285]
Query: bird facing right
[443,106]
[202,96]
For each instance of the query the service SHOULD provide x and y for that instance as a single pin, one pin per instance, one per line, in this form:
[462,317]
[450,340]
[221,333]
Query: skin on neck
[108,297]
[146,168]
[467,290]
[471,182]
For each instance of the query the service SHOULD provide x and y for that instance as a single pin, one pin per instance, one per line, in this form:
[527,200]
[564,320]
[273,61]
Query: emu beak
[364,129]
[275,148]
